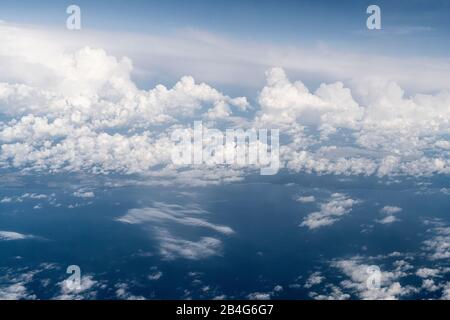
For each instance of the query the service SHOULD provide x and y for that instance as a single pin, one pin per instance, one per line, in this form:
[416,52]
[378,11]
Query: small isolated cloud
[155,275]
[278,288]
[171,247]
[330,212]
[388,220]
[123,293]
[305,199]
[12,236]
[390,210]
[6,200]
[438,246]
[446,292]
[84,194]
[314,279]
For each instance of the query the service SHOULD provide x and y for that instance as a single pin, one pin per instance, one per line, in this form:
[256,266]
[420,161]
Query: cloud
[161,212]
[12,236]
[284,103]
[334,293]
[259,296]
[84,194]
[315,278]
[390,210]
[172,248]
[388,219]
[155,276]
[159,219]
[429,285]
[6,200]
[438,246]
[427,272]
[14,287]
[446,292]
[306,199]
[73,107]
[122,292]
[356,271]
[330,212]
[85,290]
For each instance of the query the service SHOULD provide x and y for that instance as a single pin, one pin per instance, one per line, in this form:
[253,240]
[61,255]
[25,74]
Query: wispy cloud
[163,213]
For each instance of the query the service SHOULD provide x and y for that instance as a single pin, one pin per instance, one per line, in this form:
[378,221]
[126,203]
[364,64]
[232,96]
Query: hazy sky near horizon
[220,42]
[416,26]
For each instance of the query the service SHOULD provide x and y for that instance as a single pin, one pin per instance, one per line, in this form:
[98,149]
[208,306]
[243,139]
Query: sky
[405,23]
[87,122]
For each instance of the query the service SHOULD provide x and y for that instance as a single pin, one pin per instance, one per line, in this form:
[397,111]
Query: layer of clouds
[69,107]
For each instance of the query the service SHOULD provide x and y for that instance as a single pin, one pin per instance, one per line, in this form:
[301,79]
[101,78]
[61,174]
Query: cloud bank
[74,108]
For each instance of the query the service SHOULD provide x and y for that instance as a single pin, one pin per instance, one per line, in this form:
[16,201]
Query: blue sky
[413,27]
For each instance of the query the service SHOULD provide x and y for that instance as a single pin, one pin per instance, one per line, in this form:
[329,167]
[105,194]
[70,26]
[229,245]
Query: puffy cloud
[122,292]
[305,199]
[330,212]
[446,292]
[284,103]
[372,128]
[14,287]
[357,274]
[429,285]
[315,278]
[171,247]
[388,219]
[82,111]
[438,246]
[390,210]
[85,289]
[427,272]
[259,296]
